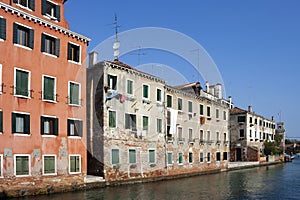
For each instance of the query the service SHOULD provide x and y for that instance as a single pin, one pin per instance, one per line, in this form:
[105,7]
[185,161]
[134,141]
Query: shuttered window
[145,123]
[49,165]
[49,126]
[130,122]
[130,87]
[50,45]
[23,36]
[74,91]
[75,127]
[179,104]
[190,157]
[51,10]
[22,165]
[159,125]
[112,119]
[115,156]
[170,162]
[132,156]
[21,83]
[2,28]
[20,123]
[26,3]
[49,88]
[146,91]
[180,159]
[169,101]
[74,164]
[151,156]
[201,157]
[73,52]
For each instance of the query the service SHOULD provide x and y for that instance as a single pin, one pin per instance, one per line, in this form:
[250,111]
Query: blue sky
[255,44]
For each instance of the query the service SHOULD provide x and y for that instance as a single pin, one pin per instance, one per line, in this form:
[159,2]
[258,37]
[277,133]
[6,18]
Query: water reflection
[271,182]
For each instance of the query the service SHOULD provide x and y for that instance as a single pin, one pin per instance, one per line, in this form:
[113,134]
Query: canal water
[280,181]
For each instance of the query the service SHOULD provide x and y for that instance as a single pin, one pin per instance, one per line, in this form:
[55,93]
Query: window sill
[74,62]
[20,176]
[50,55]
[51,17]
[21,96]
[23,7]
[49,136]
[74,137]
[74,105]
[1,40]
[54,174]
[74,173]
[23,47]
[22,134]
[49,101]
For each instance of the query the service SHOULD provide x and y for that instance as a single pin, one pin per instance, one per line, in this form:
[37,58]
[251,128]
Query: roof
[194,84]
[237,110]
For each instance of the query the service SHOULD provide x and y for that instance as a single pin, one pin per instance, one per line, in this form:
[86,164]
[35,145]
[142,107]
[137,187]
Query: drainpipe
[165,125]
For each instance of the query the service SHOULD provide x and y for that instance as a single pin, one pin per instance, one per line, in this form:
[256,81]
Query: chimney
[207,87]
[250,109]
[272,118]
[93,56]
[218,91]
[230,102]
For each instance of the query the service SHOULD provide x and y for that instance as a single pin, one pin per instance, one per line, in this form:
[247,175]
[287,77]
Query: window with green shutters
[208,111]
[23,35]
[170,160]
[201,109]
[130,121]
[30,4]
[49,165]
[130,87]
[73,52]
[2,28]
[50,45]
[132,156]
[146,91]
[49,88]
[1,122]
[201,157]
[112,82]
[169,101]
[158,95]
[115,156]
[159,125]
[190,157]
[112,119]
[74,127]
[22,83]
[190,106]
[75,164]
[20,123]
[179,104]
[217,113]
[145,123]
[22,165]
[49,126]
[51,10]
[151,156]
[180,158]
[74,93]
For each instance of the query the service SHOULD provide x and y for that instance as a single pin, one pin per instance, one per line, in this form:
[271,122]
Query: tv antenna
[116,45]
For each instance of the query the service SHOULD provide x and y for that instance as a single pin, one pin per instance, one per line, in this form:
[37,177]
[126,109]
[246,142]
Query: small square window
[74,52]
[49,125]
[22,165]
[50,45]
[75,127]
[75,164]
[74,93]
[23,36]
[20,123]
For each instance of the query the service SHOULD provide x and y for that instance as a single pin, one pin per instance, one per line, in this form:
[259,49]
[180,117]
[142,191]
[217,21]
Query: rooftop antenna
[116,45]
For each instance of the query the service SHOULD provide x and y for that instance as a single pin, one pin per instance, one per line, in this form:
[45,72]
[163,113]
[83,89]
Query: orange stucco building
[42,96]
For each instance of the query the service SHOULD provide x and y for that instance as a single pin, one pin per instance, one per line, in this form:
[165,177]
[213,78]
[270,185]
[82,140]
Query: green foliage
[272,148]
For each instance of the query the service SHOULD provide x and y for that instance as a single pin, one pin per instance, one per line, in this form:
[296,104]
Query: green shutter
[31,38]
[43,43]
[72,164]
[57,47]
[169,158]
[31,4]
[77,165]
[21,83]
[127,121]
[112,119]
[115,156]
[57,9]
[78,125]
[42,124]
[15,1]
[55,126]
[69,51]
[22,165]
[3,28]
[48,88]
[13,122]
[133,118]
[44,7]
[15,34]
[132,156]
[151,156]
[145,123]
[27,124]
[145,91]
[69,124]
[19,165]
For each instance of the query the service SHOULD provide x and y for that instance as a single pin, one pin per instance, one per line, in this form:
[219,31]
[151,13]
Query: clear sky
[254,43]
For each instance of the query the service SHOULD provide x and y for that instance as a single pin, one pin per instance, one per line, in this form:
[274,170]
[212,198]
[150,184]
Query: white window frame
[203,158]
[168,158]
[191,140]
[200,135]
[152,149]
[146,99]
[49,136]
[161,95]
[210,114]
[51,16]
[74,136]
[21,134]
[181,111]
[19,45]
[1,166]
[167,100]
[131,95]
[225,115]
[112,128]
[28,84]
[217,156]
[135,156]
[72,61]
[203,114]
[15,165]
[24,7]
[55,165]
[148,128]
[108,84]
[182,158]
[79,98]
[192,158]
[55,100]
[189,107]
[161,125]
[49,54]
[70,164]
[111,156]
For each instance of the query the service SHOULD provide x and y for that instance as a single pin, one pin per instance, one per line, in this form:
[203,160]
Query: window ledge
[22,134]
[54,174]
[74,62]
[49,54]
[74,172]
[49,101]
[23,47]
[1,40]
[49,136]
[20,176]
[26,8]
[74,137]
[21,96]
[74,105]
[51,17]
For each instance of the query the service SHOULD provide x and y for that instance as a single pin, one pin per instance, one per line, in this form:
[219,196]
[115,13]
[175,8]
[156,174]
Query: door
[238,154]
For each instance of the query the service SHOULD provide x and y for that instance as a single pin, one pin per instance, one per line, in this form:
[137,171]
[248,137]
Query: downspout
[165,130]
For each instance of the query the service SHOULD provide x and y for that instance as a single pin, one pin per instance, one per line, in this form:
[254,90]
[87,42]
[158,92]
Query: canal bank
[96,182]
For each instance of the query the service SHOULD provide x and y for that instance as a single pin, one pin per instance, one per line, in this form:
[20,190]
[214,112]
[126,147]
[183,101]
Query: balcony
[202,141]
[191,141]
[181,140]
